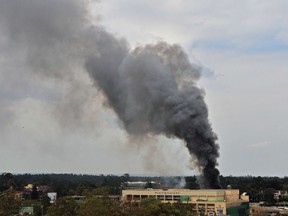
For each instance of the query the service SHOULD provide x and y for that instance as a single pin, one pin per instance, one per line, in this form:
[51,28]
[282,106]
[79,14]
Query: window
[176,198]
[168,198]
[136,197]
[129,197]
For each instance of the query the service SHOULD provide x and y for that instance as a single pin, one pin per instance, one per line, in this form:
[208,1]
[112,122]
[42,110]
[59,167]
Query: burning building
[221,201]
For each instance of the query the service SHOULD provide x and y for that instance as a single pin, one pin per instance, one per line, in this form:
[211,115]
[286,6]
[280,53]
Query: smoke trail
[152,88]
[153,91]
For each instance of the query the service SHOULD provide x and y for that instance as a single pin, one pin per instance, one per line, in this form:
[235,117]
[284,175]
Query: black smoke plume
[152,88]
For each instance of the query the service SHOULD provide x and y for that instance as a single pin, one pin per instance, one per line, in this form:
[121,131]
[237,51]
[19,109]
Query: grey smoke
[152,88]
[42,44]
[153,91]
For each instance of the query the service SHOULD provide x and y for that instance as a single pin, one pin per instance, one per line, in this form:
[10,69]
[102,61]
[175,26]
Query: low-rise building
[221,202]
[280,194]
[52,196]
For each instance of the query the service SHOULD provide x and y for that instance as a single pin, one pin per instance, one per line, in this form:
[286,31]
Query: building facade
[212,202]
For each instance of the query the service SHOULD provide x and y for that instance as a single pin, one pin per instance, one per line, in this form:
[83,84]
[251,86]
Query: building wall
[209,200]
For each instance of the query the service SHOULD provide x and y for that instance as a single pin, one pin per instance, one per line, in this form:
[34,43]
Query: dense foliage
[92,205]
[96,189]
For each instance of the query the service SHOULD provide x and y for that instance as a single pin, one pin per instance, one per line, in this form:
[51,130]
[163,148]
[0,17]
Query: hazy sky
[62,124]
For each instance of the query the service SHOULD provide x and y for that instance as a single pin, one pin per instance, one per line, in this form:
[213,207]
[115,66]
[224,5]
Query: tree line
[95,190]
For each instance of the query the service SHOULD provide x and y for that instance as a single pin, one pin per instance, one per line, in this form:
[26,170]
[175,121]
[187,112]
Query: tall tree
[63,207]
[34,193]
[9,203]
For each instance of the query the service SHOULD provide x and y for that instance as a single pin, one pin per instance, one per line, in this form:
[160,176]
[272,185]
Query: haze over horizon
[52,127]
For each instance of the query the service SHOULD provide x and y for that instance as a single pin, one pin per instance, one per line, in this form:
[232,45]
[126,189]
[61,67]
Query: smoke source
[152,88]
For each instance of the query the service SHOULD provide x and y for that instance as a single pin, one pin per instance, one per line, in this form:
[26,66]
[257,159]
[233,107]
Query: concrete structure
[221,202]
[52,196]
[257,210]
[280,194]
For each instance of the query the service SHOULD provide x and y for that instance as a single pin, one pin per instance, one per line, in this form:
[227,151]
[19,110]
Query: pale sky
[243,46]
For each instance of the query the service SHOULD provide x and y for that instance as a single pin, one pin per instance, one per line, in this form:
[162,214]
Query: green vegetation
[106,207]
[93,194]
[259,189]
[9,203]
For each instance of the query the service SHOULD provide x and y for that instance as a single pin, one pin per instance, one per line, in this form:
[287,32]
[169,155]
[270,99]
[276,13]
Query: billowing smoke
[152,88]
[153,91]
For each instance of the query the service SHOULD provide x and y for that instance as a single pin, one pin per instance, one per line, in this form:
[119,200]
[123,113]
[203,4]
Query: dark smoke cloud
[153,91]
[152,88]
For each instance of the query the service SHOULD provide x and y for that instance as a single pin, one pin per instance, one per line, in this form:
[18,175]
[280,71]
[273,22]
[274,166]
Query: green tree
[34,193]
[153,207]
[285,186]
[191,182]
[185,209]
[269,196]
[98,206]
[45,202]
[125,177]
[258,183]
[63,207]
[202,212]
[84,187]
[6,181]
[9,203]
[100,191]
